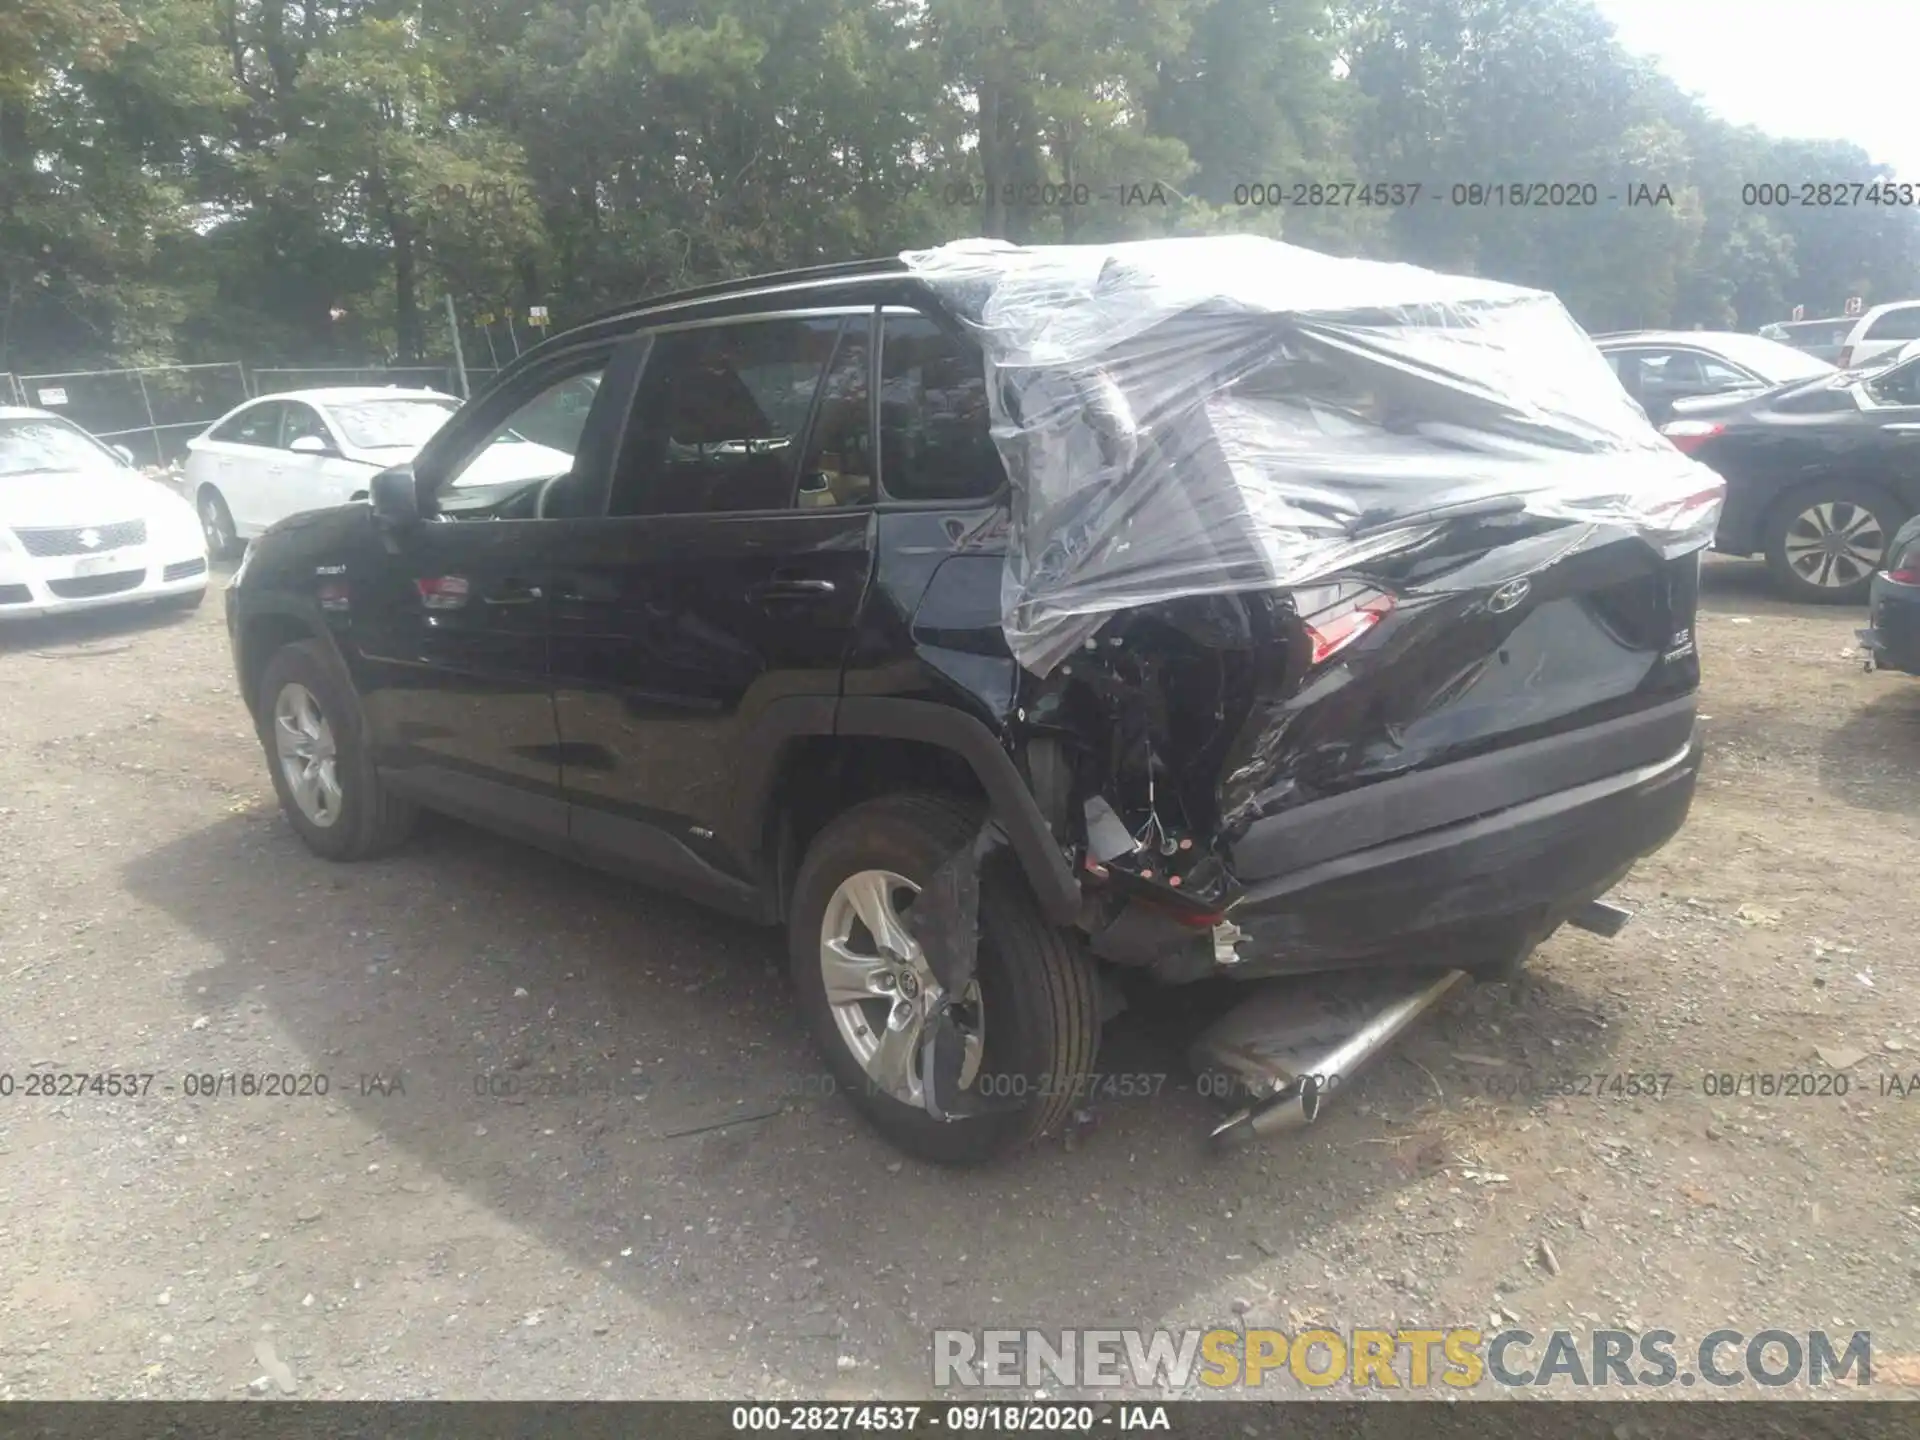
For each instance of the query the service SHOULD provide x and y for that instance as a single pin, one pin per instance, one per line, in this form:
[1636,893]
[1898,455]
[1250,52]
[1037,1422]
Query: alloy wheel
[303,741]
[880,988]
[213,525]
[1835,544]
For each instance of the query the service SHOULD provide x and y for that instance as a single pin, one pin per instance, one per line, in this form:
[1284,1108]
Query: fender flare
[247,664]
[1011,802]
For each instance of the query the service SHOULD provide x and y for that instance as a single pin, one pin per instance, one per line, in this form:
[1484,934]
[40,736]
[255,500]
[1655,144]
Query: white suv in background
[1879,333]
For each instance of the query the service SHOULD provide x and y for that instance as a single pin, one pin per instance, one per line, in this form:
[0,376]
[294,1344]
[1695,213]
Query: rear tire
[357,817]
[1824,542]
[1038,1006]
[216,523]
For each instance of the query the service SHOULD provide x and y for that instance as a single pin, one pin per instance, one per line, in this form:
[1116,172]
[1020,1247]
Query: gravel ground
[700,1221]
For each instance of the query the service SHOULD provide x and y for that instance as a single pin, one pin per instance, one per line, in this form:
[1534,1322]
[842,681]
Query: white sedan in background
[81,528]
[304,450]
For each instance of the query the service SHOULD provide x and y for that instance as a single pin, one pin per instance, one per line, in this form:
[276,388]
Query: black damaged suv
[748,645]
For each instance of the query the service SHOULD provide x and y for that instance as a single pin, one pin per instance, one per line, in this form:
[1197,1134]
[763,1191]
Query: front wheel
[1030,1022]
[1825,542]
[317,752]
[216,523]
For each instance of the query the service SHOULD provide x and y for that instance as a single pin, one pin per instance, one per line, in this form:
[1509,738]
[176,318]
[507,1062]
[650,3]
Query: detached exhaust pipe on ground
[1294,1051]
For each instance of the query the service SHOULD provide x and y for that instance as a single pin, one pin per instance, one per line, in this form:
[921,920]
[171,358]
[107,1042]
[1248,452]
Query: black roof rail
[839,270]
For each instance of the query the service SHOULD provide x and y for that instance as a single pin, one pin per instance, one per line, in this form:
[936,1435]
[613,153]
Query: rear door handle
[772,591]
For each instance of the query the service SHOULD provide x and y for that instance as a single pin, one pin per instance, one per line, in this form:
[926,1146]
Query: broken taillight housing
[1336,616]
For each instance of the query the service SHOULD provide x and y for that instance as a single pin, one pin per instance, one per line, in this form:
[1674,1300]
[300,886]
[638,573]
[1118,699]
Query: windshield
[1773,362]
[38,446]
[391,424]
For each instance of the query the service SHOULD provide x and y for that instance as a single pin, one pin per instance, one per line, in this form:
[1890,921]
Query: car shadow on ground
[618,1074]
[89,629]
[1871,758]
[1730,582]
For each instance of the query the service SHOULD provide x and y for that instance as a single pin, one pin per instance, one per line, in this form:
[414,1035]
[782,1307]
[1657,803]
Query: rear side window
[302,420]
[1898,386]
[720,416]
[1901,324]
[1824,400]
[936,439]
[258,426]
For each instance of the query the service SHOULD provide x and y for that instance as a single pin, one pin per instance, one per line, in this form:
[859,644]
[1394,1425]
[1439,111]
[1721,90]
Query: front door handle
[773,591]
[513,593]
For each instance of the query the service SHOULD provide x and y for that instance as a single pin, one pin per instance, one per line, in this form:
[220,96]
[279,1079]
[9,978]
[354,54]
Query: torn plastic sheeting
[945,919]
[1201,416]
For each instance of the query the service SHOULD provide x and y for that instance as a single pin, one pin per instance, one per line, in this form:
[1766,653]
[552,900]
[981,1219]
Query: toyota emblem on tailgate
[1508,596]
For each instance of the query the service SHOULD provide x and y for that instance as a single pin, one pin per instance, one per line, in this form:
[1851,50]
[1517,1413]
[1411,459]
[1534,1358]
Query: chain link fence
[277,380]
[155,410]
[152,411]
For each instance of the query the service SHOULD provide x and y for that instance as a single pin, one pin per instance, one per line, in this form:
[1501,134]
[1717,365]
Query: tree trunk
[406,292]
[1069,212]
[406,300]
[993,213]
[1023,170]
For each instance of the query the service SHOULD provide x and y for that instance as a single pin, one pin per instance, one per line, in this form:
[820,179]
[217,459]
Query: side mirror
[395,498]
[310,445]
[124,453]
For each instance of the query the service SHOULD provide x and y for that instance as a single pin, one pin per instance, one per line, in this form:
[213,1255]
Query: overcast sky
[1821,69]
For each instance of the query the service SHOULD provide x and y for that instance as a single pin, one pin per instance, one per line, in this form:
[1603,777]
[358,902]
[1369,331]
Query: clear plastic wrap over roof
[1216,414]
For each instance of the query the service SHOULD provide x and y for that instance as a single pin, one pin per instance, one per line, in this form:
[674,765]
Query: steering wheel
[546,489]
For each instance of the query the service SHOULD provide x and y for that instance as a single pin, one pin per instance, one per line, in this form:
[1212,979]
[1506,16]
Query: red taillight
[1689,435]
[442,592]
[1845,360]
[1906,570]
[1332,634]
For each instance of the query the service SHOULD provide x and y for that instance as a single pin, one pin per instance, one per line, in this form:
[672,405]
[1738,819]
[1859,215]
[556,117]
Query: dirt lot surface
[700,1221]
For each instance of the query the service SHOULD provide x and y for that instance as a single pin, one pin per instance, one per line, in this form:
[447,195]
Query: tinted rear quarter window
[936,440]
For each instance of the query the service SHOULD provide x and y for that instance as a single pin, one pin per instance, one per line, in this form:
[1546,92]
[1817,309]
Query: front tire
[311,730]
[1034,1012]
[1825,541]
[216,524]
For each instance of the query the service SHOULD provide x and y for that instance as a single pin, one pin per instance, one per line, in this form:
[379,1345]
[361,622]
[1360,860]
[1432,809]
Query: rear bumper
[1472,893]
[1396,879]
[1893,619]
